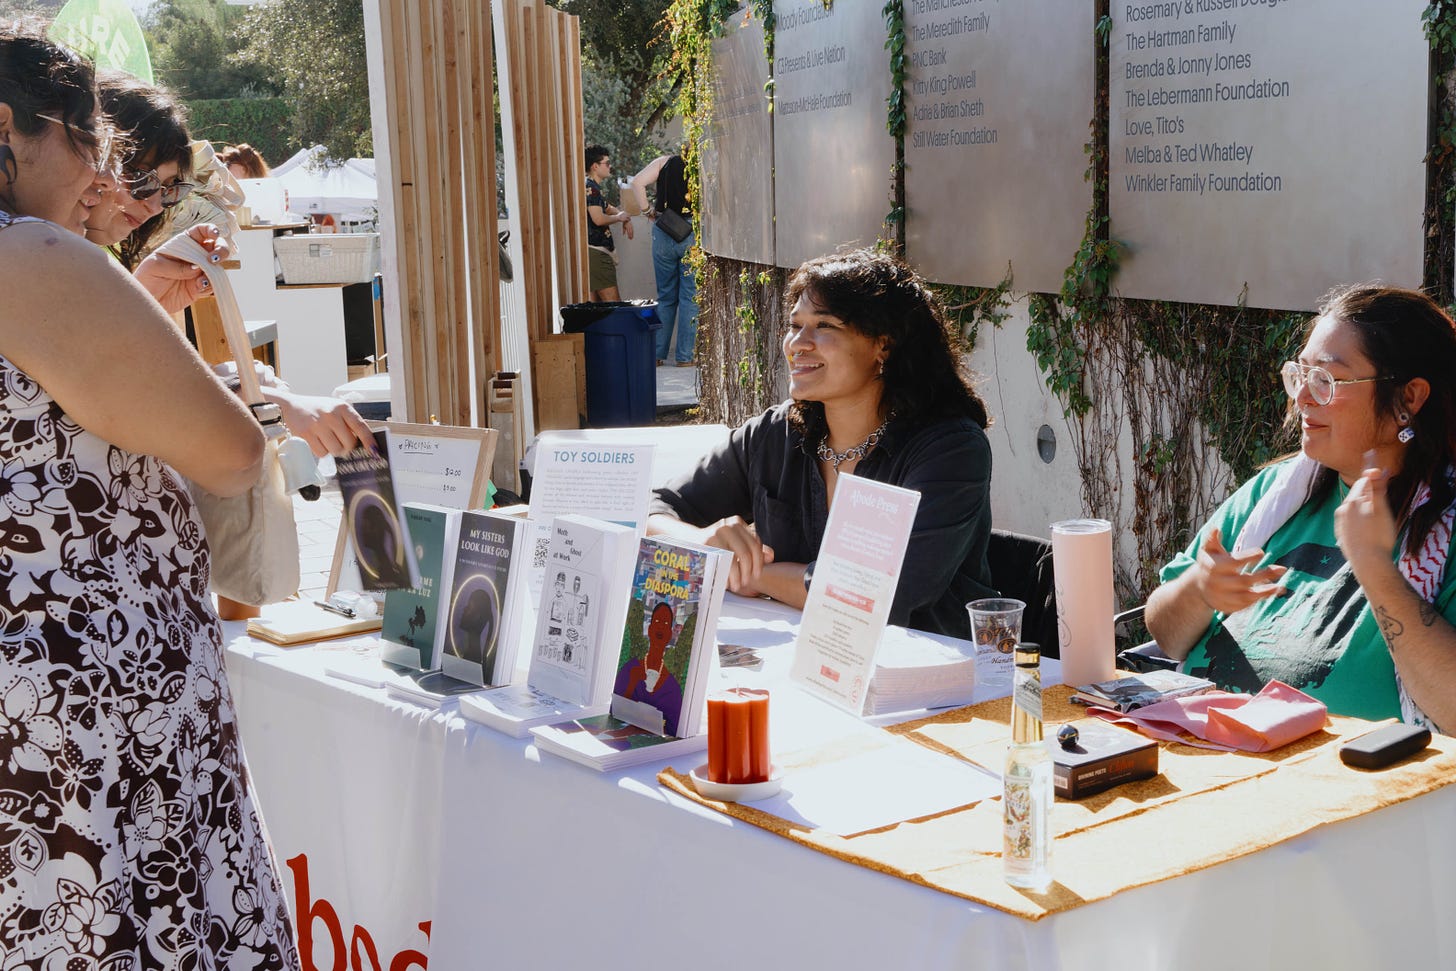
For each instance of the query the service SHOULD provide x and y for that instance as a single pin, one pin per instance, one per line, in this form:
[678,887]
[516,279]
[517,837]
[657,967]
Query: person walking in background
[600,215]
[672,237]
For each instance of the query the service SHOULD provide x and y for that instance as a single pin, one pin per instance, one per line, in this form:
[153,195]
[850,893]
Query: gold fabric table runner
[1202,808]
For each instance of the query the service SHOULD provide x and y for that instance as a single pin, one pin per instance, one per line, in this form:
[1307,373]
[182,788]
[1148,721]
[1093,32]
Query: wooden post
[438,62]
[576,109]
[207,328]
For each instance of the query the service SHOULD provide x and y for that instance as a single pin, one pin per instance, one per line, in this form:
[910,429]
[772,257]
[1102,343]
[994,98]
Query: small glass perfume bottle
[1027,797]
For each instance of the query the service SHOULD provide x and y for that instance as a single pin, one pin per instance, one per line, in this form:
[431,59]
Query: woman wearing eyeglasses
[155,170]
[1328,570]
[130,833]
[154,177]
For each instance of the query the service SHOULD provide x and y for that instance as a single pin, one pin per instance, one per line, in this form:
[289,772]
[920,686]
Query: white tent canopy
[348,189]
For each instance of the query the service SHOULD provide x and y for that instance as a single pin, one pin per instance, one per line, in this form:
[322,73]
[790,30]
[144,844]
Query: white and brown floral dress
[128,835]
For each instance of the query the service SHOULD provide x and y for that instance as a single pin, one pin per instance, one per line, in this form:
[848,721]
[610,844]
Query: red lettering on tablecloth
[361,944]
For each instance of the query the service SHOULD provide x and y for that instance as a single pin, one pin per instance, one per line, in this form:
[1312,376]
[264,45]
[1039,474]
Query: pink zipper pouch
[1271,719]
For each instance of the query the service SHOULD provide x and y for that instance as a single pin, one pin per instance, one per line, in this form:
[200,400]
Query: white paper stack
[915,669]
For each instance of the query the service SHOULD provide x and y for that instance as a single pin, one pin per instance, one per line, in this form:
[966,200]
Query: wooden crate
[560,369]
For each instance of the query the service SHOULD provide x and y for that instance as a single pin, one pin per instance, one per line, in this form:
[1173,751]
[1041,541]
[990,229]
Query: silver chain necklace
[827,454]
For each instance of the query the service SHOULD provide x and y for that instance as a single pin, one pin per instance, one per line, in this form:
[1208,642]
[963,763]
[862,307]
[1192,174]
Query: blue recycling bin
[621,367]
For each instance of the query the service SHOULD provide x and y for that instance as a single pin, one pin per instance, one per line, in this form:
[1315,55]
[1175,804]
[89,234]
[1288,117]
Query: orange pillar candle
[738,749]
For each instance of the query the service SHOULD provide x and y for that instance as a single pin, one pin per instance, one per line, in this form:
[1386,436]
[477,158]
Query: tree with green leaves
[314,52]
[193,43]
[626,93]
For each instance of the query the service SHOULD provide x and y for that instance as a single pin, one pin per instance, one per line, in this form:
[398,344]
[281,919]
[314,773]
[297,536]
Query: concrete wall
[1028,494]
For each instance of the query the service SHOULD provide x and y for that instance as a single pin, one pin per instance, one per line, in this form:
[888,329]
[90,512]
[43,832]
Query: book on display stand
[375,519]
[416,621]
[412,630]
[662,671]
[481,625]
[578,631]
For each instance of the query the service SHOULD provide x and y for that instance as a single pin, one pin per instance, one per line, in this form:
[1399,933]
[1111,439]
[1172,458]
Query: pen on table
[332,608]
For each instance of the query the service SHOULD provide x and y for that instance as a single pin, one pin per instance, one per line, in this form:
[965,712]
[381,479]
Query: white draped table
[412,838]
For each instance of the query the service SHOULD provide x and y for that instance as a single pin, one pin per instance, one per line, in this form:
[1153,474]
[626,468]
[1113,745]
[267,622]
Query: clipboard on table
[302,622]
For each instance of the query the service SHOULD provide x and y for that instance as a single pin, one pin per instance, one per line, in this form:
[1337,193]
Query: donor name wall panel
[832,152]
[1273,144]
[737,160]
[1000,100]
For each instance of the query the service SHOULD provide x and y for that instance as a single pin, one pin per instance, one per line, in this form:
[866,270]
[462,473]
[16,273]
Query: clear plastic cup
[996,630]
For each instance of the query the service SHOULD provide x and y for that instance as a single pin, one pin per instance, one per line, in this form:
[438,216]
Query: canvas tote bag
[253,537]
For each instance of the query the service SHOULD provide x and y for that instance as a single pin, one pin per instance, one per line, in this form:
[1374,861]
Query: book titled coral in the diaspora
[668,643]
[375,519]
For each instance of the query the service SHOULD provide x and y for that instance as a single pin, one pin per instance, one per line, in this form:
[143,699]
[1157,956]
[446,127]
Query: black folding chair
[1021,568]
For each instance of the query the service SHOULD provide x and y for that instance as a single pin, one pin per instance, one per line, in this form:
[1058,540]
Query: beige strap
[187,249]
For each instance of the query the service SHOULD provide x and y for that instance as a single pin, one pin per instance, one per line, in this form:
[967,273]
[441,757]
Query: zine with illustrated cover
[376,521]
[582,607]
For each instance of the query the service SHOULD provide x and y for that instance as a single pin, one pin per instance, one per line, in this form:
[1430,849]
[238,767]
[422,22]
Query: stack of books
[668,649]
[578,634]
[915,669]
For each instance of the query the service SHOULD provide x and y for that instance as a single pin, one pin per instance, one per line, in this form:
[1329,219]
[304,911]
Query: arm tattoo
[1389,626]
[1428,614]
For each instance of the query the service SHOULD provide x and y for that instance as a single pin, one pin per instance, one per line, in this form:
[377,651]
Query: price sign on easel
[440,464]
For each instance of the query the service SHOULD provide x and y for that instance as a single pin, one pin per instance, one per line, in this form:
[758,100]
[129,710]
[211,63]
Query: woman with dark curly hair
[875,389]
[1330,570]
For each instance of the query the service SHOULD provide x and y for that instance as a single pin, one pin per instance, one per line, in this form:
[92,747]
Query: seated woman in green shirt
[1328,570]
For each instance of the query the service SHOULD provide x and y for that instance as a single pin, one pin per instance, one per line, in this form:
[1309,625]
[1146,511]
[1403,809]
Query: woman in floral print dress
[128,834]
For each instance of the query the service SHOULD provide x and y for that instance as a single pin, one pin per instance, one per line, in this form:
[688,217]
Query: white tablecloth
[396,817]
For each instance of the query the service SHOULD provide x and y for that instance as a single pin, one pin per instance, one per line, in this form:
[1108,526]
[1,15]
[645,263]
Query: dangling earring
[1406,432]
[881,372]
[7,165]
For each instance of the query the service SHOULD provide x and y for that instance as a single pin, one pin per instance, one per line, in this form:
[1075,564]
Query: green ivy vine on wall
[966,307]
[1439,21]
[738,302]
[1193,386]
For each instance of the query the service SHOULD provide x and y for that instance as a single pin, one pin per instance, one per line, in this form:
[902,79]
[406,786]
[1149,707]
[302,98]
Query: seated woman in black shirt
[876,389]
